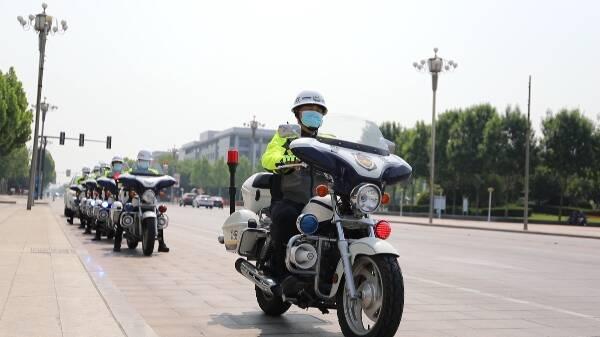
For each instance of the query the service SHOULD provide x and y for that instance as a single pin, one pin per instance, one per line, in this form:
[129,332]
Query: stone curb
[12,202]
[580,236]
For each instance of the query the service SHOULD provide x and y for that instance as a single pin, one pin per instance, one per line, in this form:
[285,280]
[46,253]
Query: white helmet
[116,159]
[255,199]
[85,170]
[144,155]
[309,97]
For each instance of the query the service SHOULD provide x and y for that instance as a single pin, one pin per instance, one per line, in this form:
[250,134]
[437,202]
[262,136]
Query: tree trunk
[454,201]
[560,205]
[477,201]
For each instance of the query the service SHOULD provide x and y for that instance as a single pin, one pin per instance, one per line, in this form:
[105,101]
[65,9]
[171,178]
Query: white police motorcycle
[340,259]
[142,217]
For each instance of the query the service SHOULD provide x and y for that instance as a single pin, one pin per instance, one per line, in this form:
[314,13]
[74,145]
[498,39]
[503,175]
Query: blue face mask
[118,167]
[311,119]
[143,165]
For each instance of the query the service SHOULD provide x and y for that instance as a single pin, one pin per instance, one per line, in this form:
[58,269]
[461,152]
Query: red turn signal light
[322,190]
[162,208]
[385,199]
[383,229]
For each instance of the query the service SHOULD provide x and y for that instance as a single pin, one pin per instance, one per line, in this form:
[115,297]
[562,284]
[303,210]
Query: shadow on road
[292,323]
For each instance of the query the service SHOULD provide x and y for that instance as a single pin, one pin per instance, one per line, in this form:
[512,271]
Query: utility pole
[526,206]
[42,23]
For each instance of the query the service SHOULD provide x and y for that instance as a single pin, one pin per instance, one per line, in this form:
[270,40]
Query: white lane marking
[505,298]
[479,262]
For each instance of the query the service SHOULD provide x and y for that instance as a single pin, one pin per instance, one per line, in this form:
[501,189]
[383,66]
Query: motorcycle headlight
[104,204]
[149,197]
[103,214]
[366,198]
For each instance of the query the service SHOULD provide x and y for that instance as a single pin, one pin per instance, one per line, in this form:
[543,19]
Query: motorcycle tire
[148,238]
[132,244]
[386,269]
[271,305]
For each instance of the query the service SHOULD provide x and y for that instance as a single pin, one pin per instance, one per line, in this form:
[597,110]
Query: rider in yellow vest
[292,188]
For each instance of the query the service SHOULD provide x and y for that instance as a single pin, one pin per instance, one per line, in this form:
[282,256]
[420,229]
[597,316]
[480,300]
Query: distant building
[213,145]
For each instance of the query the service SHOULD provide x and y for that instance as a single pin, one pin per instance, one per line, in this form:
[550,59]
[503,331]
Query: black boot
[70,220]
[98,235]
[162,246]
[81,223]
[118,239]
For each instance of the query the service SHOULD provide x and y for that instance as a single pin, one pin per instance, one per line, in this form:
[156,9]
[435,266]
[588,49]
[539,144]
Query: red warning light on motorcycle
[232,157]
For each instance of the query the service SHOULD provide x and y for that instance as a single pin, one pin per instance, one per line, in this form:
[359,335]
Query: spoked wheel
[380,290]
[271,305]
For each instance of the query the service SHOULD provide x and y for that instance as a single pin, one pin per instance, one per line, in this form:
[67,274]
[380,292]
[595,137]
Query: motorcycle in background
[141,217]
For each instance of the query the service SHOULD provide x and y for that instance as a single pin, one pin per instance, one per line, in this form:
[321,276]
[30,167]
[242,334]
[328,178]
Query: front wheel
[148,238]
[271,305]
[378,309]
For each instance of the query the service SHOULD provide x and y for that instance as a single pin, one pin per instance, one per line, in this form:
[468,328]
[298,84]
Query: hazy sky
[154,74]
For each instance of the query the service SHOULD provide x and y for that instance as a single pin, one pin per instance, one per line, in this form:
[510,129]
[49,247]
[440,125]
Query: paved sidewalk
[560,230]
[44,288]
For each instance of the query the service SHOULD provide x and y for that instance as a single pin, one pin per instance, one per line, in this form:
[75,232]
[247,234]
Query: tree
[15,118]
[567,146]
[504,143]
[445,176]
[14,168]
[49,170]
[465,149]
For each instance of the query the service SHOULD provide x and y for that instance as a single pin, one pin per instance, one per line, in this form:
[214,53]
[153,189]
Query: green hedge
[566,210]
[513,212]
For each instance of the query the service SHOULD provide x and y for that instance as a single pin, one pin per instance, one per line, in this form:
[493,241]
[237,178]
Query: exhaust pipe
[250,272]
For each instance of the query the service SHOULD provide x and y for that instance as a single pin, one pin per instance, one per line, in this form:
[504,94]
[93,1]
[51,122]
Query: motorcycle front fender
[365,246]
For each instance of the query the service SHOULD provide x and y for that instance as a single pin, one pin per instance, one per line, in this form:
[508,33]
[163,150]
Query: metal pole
[490,206]
[40,162]
[434,78]
[42,42]
[526,206]
[401,201]
[43,160]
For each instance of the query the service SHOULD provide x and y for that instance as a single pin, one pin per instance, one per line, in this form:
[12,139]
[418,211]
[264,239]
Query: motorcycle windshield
[354,133]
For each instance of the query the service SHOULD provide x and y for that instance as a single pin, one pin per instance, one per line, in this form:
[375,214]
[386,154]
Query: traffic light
[81,139]
[108,142]
[61,140]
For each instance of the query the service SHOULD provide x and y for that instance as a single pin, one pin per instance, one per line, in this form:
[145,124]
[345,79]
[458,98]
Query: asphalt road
[458,283]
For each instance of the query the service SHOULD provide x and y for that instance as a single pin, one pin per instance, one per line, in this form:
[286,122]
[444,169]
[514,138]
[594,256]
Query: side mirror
[289,131]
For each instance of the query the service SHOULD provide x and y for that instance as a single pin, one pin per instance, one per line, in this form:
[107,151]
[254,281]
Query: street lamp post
[45,107]
[434,66]
[42,23]
[490,191]
[254,125]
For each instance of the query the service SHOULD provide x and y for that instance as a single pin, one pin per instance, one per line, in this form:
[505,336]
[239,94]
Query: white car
[203,200]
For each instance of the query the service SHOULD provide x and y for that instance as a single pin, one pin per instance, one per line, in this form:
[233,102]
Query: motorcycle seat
[263,180]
